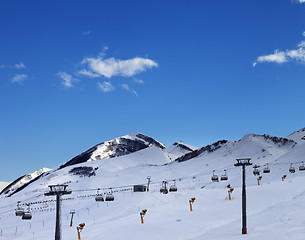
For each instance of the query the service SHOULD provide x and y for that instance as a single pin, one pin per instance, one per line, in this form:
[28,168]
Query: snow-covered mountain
[178,149]
[257,146]
[275,208]
[23,181]
[115,148]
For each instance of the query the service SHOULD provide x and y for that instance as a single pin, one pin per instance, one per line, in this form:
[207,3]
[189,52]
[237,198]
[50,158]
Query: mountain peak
[117,147]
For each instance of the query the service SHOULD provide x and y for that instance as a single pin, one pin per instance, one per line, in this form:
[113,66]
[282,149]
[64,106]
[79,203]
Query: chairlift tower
[148,182]
[243,162]
[58,191]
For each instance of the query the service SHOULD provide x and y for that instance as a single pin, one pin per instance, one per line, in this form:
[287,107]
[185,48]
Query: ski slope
[275,211]
[275,208]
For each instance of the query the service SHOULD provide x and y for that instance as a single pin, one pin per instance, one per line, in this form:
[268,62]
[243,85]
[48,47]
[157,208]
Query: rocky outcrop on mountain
[209,148]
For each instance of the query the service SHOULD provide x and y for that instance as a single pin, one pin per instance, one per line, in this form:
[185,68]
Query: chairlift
[173,188]
[109,196]
[99,197]
[256,171]
[266,169]
[27,215]
[214,177]
[291,169]
[224,177]
[163,188]
[19,210]
[302,167]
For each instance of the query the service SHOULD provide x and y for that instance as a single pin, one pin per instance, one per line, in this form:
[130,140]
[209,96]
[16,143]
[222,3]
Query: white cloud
[19,65]
[277,57]
[138,81]
[67,79]
[88,73]
[297,54]
[86,32]
[301,1]
[16,66]
[127,88]
[19,78]
[115,67]
[106,86]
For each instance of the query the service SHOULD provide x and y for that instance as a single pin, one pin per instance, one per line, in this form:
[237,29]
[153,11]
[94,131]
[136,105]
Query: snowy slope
[275,211]
[179,149]
[298,136]
[275,208]
[3,185]
[257,146]
[22,181]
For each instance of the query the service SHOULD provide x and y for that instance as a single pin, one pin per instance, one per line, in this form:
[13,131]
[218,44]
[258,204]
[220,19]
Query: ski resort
[134,187]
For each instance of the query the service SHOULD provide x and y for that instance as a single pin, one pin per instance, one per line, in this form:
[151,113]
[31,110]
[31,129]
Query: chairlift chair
[163,188]
[99,197]
[224,177]
[173,188]
[27,215]
[266,169]
[302,167]
[109,196]
[214,177]
[256,171]
[291,169]
[19,210]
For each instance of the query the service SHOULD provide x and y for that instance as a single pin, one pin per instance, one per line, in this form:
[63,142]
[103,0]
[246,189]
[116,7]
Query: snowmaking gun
[79,229]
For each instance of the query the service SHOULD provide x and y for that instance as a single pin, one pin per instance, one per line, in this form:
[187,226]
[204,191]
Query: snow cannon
[230,192]
[142,214]
[259,180]
[191,203]
[79,229]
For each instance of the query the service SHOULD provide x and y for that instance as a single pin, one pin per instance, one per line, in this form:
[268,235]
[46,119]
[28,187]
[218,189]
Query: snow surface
[178,149]
[275,209]
[298,136]
[3,185]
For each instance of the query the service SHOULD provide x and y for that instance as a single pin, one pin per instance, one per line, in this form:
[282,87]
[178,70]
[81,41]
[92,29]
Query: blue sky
[77,73]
